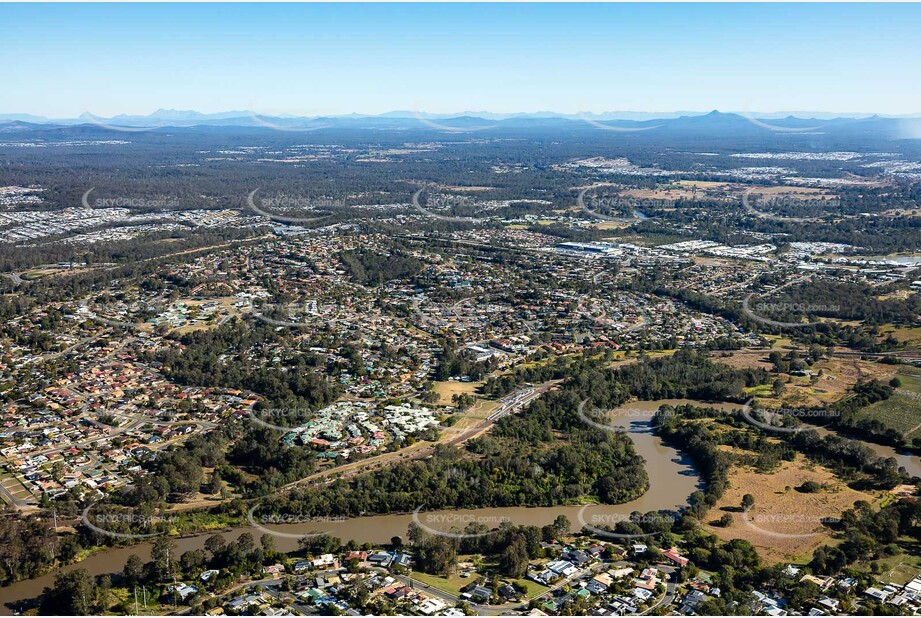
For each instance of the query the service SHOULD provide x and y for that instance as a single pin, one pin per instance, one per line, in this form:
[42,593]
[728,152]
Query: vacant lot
[451,584]
[454,582]
[449,388]
[15,487]
[744,359]
[671,193]
[685,189]
[611,225]
[704,184]
[784,524]
[227,311]
[466,189]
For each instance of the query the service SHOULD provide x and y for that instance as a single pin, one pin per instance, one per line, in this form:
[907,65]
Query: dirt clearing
[784,523]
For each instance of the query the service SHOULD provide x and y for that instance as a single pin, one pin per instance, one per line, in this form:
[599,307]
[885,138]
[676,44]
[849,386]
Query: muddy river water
[672,480]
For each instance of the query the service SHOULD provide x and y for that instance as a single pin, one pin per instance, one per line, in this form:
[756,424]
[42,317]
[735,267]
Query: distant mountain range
[689,124]
[184,118]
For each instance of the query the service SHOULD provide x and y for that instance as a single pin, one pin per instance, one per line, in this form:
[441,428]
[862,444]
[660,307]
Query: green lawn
[911,379]
[451,585]
[534,589]
[902,411]
[454,583]
[764,390]
[900,569]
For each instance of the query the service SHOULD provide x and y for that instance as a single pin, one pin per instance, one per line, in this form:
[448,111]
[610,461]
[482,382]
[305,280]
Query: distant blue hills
[688,123]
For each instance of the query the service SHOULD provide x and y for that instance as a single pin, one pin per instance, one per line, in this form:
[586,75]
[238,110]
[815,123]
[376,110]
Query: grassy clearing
[611,225]
[195,521]
[215,319]
[35,275]
[451,584]
[902,334]
[838,376]
[774,191]
[910,378]
[448,388]
[899,569]
[780,511]
[454,583]
[475,566]
[650,239]
[781,343]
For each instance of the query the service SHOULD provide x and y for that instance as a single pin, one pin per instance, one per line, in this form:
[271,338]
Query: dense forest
[373,268]
[840,300]
[215,358]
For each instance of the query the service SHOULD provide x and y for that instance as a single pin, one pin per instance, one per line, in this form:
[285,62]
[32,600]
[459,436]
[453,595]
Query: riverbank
[672,479]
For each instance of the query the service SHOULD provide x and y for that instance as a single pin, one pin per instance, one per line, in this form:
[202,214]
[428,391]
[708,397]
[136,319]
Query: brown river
[672,480]
[911,463]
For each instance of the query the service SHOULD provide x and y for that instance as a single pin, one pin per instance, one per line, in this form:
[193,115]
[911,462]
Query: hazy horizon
[162,112]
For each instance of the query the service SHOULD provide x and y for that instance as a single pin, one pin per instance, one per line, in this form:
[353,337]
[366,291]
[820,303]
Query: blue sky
[62,60]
